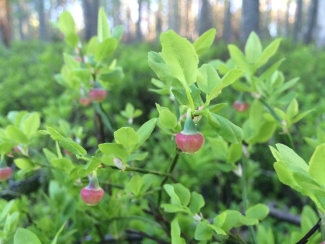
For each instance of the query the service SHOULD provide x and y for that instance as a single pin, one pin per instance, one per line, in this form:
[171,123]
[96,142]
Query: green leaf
[285,176]
[31,124]
[145,131]
[167,119]
[70,61]
[301,115]
[247,221]
[72,39]
[230,132]
[218,230]
[54,241]
[105,49]
[292,109]
[269,72]
[268,52]
[135,184]
[258,211]
[207,78]
[159,66]
[290,158]
[180,57]
[103,28]
[234,153]
[171,208]
[137,157]
[232,218]
[17,135]
[66,23]
[127,137]
[24,163]
[231,76]
[25,236]
[63,164]
[197,202]
[317,164]
[92,165]
[48,154]
[203,231]
[115,149]
[180,96]
[239,59]
[113,76]
[176,232]
[264,235]
[92,45]
[117,32]
[171,192]
[204,41]
[253,48]
[183,193]
[5,147]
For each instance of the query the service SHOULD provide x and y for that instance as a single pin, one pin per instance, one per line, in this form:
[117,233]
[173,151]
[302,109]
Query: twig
[310,233]
[139,170]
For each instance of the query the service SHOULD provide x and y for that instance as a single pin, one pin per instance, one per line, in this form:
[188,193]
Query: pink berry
[98,95]
[240,106]
[5,173]
[189,143]
[91,196]
[84,101]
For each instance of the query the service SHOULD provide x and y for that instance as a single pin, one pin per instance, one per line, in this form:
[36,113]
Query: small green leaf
[171,192]
[25,236]
[70,61]
[258,211]
[176,232]
[103,28]
[230,132]
[135,184]
[208,78]
[234,153]
[30,124]
[232,218]
[5,147]
[127,137]
[290,158]
[113,76]
[92,165]
[72,39]
[171,208]
[218,230]
[63,164]
[167,119]
[285,176]
[115,149]
[268,52]
[204,41]
[238,57]
[203,231]
[317,164]
[301,115]
[24,163]
[54,241]
[92,45]
[105,49]
[137,157]
[17,135]
[253,48]
[66,23]
[117,32]
[183,193]
[145,131]
[180,57]
[197,202]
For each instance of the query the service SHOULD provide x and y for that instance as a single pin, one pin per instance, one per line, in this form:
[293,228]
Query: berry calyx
[84,101]
[97,95]
[93,193]
[189,140]
[5,173]
[240,106]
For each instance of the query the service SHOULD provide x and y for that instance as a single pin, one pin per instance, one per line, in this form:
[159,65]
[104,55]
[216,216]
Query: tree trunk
[320,33]
[116,12]
[298,22]
[205,18]
[5,26]
[250,18]
[227,27]
[41,18]
[90,9]
[138,26]
[173,15]
[159,20]
[311,21]
[20,21]
[287,29]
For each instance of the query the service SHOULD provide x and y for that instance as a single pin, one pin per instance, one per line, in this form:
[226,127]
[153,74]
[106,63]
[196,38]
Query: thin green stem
[237,238]
[272,112]
[176,109]
[244,195]
[140,170]
[189,97]
[99,109]
[172,166]
[290,140]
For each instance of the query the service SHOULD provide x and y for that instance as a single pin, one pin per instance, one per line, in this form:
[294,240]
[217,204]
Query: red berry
[84,101]
[5,173]
[240,106]
[98,95]
[189,143]
[91,196]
